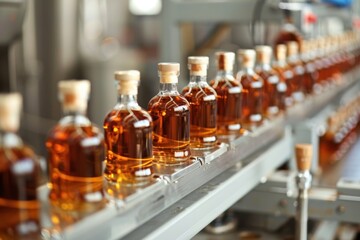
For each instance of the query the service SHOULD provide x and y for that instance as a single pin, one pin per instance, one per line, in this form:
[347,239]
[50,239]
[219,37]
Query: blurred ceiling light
[147,7]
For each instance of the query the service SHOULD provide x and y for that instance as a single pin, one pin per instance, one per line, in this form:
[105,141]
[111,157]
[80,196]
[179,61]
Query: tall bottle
[76,153]
[297,83]
[308,60]
[272,85]
[253,89]
[228,92]
[19,176]
[171,117]
[286,75]
[203,105]
[128,135]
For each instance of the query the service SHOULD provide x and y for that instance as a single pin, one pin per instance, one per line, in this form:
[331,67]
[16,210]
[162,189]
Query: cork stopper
[292,48]
[74,95]
[303,154]
[280,52]
[263,54]
[128,82]
[10,107]
[225,60]
[246,57]
[198,65]
[169,72]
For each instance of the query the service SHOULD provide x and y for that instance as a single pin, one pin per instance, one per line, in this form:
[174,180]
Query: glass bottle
[76,153]
[297,83]
[128,135]
[286,76]
[203,105]
[228,92]
[171,118]
[288,31]
[271,79]
[307,58]
[19,176]
[253,90]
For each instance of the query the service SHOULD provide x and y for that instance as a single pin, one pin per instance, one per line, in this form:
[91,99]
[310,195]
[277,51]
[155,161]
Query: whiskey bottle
[228,92]
[128,135]
[272,84]
[253,90]
[307,57]
[76,153]
[288,31]
[19,176]
[298,69]
[171,118]
[286,75]
[203,105]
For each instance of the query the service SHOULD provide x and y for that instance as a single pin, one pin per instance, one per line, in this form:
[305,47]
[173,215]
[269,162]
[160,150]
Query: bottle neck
[197,78]
[10,139]
[247,69]
[224,74]
[263,66]
[128,99]
[168,88]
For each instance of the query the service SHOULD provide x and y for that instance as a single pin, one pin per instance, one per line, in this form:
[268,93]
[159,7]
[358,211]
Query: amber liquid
[19,208]
[128,141]
[252,100]
[203,110]
[171,136]
[310,76]
[76,154]
[271,97]
[228,106]
[286,76]
[297,83]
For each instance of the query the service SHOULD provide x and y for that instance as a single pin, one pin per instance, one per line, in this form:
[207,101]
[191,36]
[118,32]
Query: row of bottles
[343,129]
[173,124]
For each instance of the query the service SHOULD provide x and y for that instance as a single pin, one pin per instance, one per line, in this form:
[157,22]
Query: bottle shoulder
[168,103]
[13,155]
[127,116]
[72,132]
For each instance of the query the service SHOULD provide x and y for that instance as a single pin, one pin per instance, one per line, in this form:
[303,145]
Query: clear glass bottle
[203,105]
[19,176]
[308,59]
[272,84]
[298,71]
[286,76]
[253,90]
[228,92]
[171,118]
[128,135]
[76,153]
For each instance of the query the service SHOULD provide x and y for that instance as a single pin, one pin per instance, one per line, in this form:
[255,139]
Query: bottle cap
[280,52]
[225,60]
[292,48]
[168,72]
[246,57]
[74,95]
[303,154]
[128,82]
[10,107]
[198,65]
[263,54]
